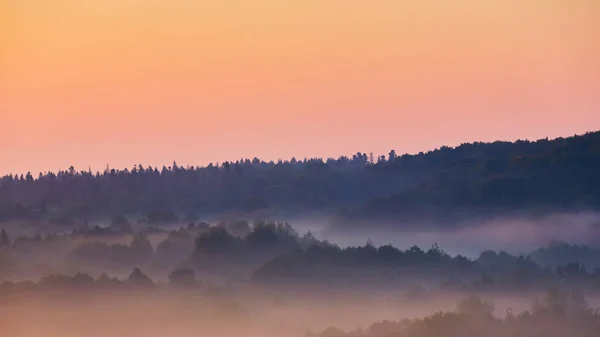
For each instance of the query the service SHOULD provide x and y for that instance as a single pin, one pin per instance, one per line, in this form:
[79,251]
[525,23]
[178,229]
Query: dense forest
[237,274]
[559,174]
[180,236]
[274,254]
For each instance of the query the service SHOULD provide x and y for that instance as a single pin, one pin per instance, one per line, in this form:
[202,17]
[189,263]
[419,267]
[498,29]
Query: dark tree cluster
[559,253]
[274,253]
[261,236]
[139,251]
[472,177]
[238,244]
[179,278]
[557,314]
[489,179]
[219,248]
[388,265]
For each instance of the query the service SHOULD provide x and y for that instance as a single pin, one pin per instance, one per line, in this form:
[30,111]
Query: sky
[92,83]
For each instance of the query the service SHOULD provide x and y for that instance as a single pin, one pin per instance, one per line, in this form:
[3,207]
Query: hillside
[475,177]
[483,178]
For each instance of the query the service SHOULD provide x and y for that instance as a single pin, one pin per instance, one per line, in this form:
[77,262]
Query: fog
[512,234]
[160,312]
[228,301]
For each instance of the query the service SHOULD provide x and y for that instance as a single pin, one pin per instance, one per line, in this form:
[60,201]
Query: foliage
[138,251]
[474,317]
[182,277]
[275,252]
[387,265]
[4,239]
[559,253]
[497,176]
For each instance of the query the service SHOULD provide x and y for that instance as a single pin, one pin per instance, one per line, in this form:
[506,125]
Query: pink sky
[125,82]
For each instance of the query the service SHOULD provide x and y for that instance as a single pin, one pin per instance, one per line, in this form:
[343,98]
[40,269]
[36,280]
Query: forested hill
[542,176]
[564,172]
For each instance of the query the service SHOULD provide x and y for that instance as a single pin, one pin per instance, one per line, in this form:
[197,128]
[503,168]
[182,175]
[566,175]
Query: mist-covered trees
[219,248]
[275,252]
[559,253]
[4,239]
[323,263]
[139,251]
[121,224]
[239,238]
[474,177]
[558,313]
[6,261]
[60,280]
[138,278]
[184,277]
[181,277]
[179,245]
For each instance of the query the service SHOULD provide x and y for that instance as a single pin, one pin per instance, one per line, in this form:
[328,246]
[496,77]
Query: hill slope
[478,177]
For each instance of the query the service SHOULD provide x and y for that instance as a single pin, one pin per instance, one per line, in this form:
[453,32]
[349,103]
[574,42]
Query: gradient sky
[121,82]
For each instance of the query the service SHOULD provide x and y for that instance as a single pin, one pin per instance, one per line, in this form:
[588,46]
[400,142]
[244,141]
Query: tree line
[556,314]
[490,177]
[390,266]
[275,253]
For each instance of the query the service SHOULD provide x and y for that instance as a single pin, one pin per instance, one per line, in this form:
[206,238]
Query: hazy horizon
[121,83]
[168,162]
[488,236]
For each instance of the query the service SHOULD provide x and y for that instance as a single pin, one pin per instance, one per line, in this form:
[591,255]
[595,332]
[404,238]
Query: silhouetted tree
[121,224]
[138,278]
[441,184]
[183,277]
[4,239]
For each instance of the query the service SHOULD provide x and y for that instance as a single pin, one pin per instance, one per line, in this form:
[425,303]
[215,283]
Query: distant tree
[485,281]
[82,279]
[202,227]
[62,221]
[106,280]
[239,228]
[332,332]
[216,241]
[475,306]
[391,155]
[263,235]
[4,239]
[560,302]
[182,277]
[473,322]
[138,278]
[141,246]
[121,224]
[440,187]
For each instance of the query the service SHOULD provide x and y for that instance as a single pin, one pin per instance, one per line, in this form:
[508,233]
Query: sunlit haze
[91,83]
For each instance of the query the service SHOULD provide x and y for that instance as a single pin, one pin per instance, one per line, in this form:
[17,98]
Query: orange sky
[122,82]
